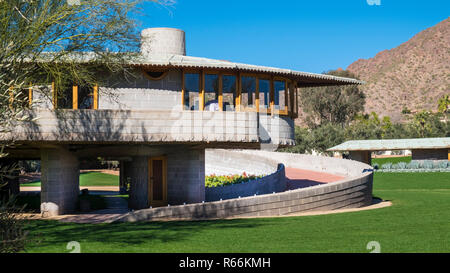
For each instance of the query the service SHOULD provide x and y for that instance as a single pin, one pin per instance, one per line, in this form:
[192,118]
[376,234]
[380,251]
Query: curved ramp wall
[351,192]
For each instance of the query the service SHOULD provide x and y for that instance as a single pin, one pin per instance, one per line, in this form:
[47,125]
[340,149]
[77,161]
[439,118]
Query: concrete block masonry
[144,126]
[59,182]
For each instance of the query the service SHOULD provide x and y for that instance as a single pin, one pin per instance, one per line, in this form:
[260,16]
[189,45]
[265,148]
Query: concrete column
[122,178]
[60,185]
[186,176]
[137,172]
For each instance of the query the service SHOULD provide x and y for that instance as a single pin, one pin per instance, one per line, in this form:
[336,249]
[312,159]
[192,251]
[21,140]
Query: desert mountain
[413,75]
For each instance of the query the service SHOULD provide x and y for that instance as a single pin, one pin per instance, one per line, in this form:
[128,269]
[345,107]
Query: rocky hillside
[413,75]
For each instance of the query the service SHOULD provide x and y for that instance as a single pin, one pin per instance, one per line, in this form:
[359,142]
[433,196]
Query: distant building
[435,149]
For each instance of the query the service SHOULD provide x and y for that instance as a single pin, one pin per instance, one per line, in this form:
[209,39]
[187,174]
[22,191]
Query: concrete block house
[159,124]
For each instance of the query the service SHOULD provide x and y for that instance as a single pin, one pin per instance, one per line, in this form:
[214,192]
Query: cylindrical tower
[163,41]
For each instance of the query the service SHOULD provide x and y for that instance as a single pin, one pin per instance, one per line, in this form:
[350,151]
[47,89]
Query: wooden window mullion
[202,91]
[220,100]
[75,97]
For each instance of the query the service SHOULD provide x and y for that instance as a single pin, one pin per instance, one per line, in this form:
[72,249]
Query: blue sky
[314,36]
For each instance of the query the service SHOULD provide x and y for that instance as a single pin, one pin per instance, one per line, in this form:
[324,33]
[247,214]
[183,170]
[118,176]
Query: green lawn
[393,160]
[88,179]
[418,221]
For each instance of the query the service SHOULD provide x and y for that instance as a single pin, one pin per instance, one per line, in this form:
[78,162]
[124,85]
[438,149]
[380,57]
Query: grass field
[393,160]
[418,221]
[88,179]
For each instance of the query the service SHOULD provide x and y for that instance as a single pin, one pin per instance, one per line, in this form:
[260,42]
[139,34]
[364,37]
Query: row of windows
[69,97]
[205,91]
[75,97]
[226,92]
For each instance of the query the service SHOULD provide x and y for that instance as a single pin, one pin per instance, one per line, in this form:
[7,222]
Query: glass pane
[291,97]
[23,98]
[65,95]
[279,94]
[264,94]
[295,102]
[85,97]
[248,95]
[228,92]
[191,91]
[211,92]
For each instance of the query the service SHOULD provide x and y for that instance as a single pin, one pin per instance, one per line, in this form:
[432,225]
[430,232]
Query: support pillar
[123,182]
[137,173]
[60,185]
[186,176]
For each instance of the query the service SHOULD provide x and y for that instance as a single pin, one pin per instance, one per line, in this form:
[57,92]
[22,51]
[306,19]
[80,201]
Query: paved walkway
[297,178]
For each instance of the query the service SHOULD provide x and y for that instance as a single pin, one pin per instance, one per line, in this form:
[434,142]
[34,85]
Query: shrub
[443,164]
[225,180]
[413,165]
[427,164]
[387,166]
[401,165]
[376,166]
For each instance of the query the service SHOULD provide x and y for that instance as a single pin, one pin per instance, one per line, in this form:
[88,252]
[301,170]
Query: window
[295,100]
[191,91]
[280,95]
[64,97]
[228,92]
[155,75]
[264,94]
[75,97]
[20,97]
[248,96]
[85,97]
[211,92]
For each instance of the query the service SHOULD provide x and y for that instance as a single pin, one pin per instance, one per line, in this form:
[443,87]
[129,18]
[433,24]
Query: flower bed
[225,180]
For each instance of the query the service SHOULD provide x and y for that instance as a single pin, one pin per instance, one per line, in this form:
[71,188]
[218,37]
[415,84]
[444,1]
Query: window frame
[285,111]
[289,94]
[74,97]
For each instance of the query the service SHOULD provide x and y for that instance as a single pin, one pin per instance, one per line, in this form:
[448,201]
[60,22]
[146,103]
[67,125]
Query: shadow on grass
[56,233]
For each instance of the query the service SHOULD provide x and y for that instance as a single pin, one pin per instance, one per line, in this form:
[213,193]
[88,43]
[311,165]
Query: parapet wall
[149,126]
[352,192]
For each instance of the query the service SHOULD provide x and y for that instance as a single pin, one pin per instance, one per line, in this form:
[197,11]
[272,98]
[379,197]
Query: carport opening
[99,180]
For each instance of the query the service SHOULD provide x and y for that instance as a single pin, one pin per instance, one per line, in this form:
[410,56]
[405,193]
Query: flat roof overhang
[171,61]
[393,144]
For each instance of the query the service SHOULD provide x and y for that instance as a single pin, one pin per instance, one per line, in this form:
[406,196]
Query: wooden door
[157,187]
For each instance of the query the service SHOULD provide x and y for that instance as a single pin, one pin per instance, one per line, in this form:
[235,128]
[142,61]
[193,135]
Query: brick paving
[297,178]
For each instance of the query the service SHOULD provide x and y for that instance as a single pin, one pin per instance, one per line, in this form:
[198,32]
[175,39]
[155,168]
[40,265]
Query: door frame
[151,202]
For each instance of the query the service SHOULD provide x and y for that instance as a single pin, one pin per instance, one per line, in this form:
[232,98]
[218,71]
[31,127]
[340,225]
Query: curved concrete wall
[275,182]
[156,41]
[354,191]
[338,166]
[224,162]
